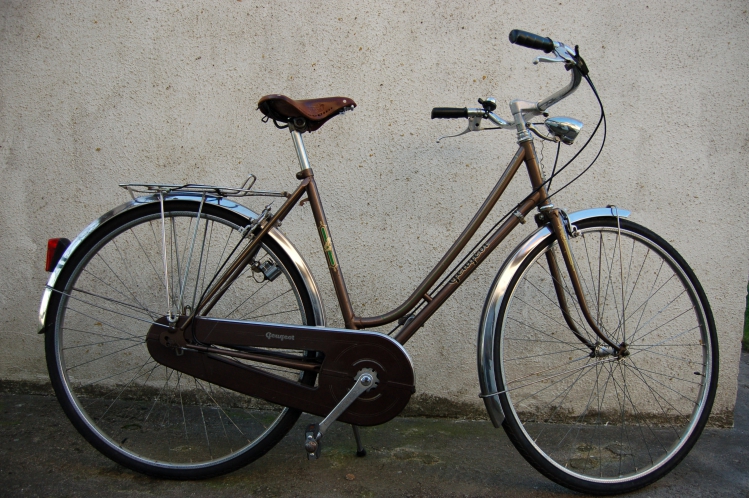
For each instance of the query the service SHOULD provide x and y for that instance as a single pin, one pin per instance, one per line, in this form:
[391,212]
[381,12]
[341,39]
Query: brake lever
[474,124]
[542,58]
[453,136]
[562,52]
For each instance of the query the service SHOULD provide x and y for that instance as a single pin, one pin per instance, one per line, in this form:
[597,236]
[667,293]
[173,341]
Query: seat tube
[313,196]
[301,152]
[336,274]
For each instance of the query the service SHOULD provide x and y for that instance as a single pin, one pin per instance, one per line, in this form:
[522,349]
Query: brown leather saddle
[315,112]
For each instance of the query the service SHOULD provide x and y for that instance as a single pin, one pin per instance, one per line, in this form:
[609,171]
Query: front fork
[556,220]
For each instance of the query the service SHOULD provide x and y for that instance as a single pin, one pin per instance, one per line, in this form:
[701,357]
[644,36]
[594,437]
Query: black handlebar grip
[525,39]
[449,112]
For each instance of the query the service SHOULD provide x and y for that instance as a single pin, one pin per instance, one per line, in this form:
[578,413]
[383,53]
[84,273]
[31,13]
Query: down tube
[453,252]
[463,273]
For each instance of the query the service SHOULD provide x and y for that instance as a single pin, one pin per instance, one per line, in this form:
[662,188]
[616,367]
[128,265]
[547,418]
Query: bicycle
[185,334]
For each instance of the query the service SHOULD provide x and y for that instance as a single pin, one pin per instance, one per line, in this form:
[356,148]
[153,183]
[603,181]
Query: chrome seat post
[301,152]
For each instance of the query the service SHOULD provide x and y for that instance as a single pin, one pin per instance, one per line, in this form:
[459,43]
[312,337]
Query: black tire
[135,411]
[602,424]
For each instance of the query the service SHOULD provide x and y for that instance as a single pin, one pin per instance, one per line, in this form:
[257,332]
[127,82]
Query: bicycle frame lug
[524,136]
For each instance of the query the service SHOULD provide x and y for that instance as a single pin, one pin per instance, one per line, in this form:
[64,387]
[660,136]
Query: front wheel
[123,277]
[604,423]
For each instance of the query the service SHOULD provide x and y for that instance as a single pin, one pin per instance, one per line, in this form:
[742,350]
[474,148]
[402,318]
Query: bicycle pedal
[312,441]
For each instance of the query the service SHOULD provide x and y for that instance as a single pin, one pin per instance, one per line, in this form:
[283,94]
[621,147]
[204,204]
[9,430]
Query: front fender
[223,202]
[496,297]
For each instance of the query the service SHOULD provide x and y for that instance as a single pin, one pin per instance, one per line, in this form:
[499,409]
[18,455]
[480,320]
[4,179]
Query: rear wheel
[604,424]
[140,413]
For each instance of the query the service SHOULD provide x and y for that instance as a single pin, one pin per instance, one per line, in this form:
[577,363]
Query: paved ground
[42,455]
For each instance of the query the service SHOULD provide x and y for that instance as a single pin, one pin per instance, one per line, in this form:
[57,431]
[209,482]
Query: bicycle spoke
[556,303]
[89,344]
[101,417]
[100,380]
[88,332]
[655,396]
[554,339]
[580,322]
[140,305]
[145,311]
[265,304]
[99,358]
[110,311]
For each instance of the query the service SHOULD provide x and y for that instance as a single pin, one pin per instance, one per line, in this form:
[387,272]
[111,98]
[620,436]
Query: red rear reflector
[55,250]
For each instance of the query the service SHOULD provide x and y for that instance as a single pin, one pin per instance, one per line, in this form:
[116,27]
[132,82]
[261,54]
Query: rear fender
[223,202]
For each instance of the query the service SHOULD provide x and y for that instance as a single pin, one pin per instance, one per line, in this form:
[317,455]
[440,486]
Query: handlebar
[523,110]
[526,39]
[449,112]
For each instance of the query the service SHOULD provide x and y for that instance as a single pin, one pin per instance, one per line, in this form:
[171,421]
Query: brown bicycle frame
[538,198]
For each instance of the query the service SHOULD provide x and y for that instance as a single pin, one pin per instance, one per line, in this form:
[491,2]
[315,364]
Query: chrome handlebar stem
[563,54]
[523,110]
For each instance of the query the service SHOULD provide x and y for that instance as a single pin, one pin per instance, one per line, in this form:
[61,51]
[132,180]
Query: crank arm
[315,432]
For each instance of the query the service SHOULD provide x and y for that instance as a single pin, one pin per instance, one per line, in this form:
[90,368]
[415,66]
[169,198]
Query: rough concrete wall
[95,93]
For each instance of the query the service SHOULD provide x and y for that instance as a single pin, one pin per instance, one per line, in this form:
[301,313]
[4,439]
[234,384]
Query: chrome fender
[496,298]
[223,202]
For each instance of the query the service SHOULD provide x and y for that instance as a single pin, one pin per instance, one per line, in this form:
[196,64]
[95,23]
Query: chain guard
[344,353]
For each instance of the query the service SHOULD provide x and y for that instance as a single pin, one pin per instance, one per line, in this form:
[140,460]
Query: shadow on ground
[42,455]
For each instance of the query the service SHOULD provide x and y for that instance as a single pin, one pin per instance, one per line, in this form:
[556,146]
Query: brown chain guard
[345,352]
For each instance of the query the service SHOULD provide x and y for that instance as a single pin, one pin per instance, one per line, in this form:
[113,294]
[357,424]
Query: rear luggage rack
[243,191]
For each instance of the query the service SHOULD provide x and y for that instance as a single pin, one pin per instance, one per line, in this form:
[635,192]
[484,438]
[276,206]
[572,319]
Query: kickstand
[360,451]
